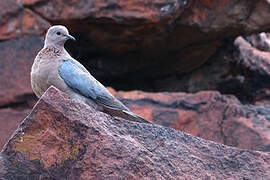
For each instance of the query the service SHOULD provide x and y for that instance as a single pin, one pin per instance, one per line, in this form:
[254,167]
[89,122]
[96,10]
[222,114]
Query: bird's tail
[135,117]
[125,114]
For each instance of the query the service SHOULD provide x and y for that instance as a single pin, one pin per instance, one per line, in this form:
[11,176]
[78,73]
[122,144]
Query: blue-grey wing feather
[80,80]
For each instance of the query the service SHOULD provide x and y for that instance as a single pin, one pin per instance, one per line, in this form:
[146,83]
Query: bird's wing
[80,80]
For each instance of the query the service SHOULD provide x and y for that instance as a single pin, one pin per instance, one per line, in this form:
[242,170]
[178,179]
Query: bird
[54,66]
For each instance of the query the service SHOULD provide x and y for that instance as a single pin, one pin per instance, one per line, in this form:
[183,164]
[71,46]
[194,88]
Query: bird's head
[57,36]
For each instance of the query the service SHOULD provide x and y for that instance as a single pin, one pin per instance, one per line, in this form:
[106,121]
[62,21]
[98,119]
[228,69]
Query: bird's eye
[58,33]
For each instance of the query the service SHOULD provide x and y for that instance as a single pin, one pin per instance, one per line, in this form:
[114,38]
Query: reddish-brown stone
[17,22]
[8,22]
[154,38]
[17,57]
[9,122]
[252,56]
[128,42]
[208,114]
[210,15]
[66,139]
[31,2]
[32,24]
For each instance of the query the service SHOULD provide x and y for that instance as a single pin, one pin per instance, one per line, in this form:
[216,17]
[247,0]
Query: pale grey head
[57,36]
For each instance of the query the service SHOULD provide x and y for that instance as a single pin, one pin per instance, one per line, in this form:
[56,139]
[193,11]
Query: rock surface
[207,114]
[142,44]
[252,55]
[10,119]
[16,21]
[142,38]
[171,37]
[16,95]
[66,139]
[17,57]
[148,45]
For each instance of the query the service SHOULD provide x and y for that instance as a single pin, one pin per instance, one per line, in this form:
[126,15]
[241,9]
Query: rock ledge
[65,139]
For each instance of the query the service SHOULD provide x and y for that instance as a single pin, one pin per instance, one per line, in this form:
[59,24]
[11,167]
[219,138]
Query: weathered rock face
[209,115]
[16,95]
[156,38]
[148,45]
[155,47]
[9,122]
[18,22]
[140,42]
[17,57]
[252,56]
[66,139]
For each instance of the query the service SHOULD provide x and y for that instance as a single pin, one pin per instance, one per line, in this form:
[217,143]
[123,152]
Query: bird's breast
[41,74]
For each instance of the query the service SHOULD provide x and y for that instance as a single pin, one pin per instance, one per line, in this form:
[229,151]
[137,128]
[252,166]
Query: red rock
[66,139]
[17,57]
[32,24]
[8,24]
[31,2]
[16,21]
[9,122]
[11,115]
[224,13]
[208,114]
[154,38]
[137,44]
[211,15]
[252,56]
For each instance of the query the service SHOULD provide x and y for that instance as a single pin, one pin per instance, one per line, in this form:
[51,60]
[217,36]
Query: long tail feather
[128,115]
[135,117]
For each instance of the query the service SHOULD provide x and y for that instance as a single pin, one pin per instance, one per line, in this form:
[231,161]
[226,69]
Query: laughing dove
[53,66]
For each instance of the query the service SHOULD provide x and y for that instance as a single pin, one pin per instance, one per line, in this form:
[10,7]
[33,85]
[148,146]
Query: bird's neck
[59,45]
[52,51]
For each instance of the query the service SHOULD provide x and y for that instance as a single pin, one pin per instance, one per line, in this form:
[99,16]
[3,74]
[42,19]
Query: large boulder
[64,138]
[16,95]
[16,21]
[9,121]
[151,38]
[207,114]
[249,60]
[145,44]
[20,31]
[16,59]
[148,45]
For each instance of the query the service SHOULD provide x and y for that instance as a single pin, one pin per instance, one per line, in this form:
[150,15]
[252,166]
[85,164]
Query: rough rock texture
[149,38]
[9,122]
[252,56]
[66,139]
[148,45]
[17,22]
[141,44]
[17,57]
[16,96]
[208,114]
[130,44]
[241,69]
[260,41]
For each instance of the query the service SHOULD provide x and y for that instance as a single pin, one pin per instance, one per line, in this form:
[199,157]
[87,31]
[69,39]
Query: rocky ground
[201,67]
[66,139]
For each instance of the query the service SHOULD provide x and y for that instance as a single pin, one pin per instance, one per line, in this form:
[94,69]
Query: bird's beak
[70,37]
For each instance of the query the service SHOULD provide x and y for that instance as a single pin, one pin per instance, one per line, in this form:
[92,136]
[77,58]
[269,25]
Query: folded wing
[81,81]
